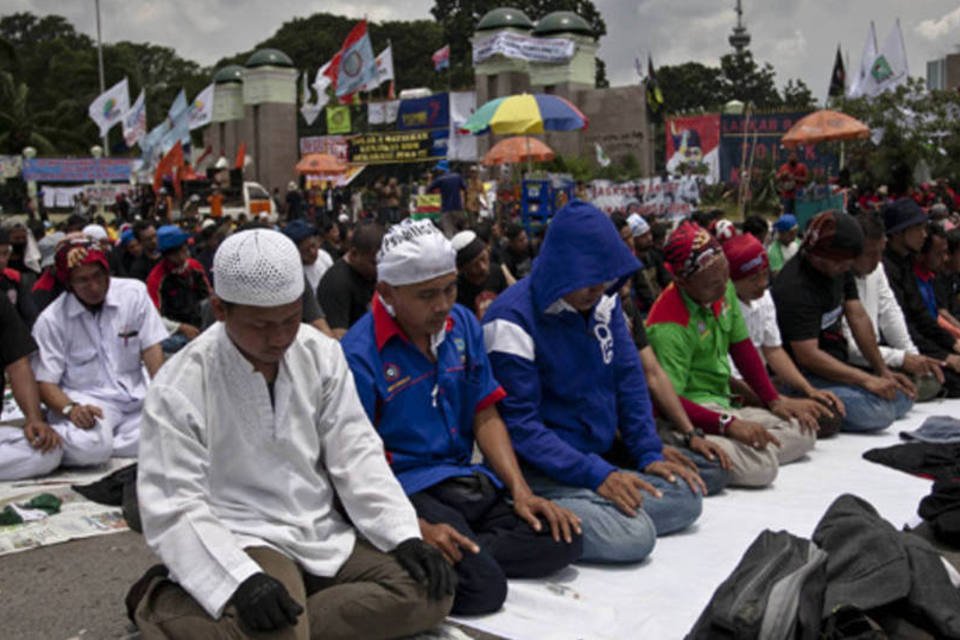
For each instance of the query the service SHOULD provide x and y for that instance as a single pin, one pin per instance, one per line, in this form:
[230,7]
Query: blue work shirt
[423,410]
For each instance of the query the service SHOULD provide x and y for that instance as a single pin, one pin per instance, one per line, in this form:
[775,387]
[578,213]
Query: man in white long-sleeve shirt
[251,434]
[897,348]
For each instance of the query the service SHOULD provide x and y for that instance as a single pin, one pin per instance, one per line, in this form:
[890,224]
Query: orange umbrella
[519,149]
[825,125]
[316,163]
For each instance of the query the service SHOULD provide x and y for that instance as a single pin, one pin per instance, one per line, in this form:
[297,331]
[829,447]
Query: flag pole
[103,86]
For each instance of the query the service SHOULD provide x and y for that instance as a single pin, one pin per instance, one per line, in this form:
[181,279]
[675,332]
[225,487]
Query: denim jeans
[610,536]
[865,411]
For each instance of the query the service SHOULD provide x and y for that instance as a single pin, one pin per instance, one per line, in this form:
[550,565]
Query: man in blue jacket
[577,404]
[425,381]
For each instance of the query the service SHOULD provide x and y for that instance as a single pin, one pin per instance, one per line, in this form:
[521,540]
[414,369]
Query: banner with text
[76,169]
[401,146]
[432,112]
[521,47]
[648,196]
[336,146]
[694,141]
[760,139]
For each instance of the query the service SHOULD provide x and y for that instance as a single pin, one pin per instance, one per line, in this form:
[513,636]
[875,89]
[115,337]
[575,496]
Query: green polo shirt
[692,342]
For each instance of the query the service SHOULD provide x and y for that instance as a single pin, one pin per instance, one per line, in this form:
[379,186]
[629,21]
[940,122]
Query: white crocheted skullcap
[638,225]
[258,267]
[95,232]
[414,251]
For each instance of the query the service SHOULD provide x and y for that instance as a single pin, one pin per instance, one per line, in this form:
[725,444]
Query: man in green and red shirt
[694,324]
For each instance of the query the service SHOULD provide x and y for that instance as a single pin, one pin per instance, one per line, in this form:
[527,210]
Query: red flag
[241,156]
[391,92]
[332,70]
[170,164]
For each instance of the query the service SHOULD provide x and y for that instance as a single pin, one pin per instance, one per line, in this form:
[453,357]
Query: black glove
[264,604]
[425,564]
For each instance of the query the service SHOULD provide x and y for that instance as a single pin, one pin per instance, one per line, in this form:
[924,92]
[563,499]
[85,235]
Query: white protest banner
[646,196]
[521,47]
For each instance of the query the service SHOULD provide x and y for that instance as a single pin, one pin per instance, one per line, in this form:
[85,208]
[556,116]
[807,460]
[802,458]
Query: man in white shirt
[253,438]
[897,348]
[93,343]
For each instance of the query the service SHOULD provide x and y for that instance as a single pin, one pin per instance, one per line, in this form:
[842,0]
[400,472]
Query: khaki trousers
[753,467]
[370,597]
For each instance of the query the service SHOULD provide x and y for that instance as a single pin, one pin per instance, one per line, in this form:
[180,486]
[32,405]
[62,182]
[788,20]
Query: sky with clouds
[799,37]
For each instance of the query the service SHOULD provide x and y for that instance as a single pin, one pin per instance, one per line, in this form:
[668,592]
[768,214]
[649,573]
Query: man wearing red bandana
[693,326]
[94,341]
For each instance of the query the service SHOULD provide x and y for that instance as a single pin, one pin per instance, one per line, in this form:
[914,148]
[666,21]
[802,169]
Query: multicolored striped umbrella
[525,114]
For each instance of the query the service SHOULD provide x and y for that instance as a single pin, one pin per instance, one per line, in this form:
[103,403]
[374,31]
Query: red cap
[745,255]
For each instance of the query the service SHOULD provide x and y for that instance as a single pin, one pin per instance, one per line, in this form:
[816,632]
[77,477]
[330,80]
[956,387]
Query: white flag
[602,158]
[384,63]
[855,90]
[201,109]
[109,107]
[321,84]
[889,69]
[461,146]
[309,110]
[135,121]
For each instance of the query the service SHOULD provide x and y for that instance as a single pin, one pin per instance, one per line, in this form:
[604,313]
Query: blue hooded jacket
[572,382]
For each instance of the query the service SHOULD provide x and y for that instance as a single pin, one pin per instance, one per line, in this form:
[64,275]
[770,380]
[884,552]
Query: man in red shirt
[791,176]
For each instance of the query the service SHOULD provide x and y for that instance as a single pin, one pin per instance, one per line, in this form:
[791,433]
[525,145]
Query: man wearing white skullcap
[251,434]
[424,379]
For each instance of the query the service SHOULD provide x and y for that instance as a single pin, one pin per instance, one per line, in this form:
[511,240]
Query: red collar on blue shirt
[385,326]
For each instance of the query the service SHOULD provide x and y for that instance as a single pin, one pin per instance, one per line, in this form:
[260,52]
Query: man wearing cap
[750,273]
[479,281]
[906,226]
[347,287]
[652,277]
[94,341]
[263,487]
[178,286]
[886,317]
[304,235]
[47,288]
[813,293]
[426,383]
[13,286]
[577,403]
[33,448]
[694,326]
[785,244]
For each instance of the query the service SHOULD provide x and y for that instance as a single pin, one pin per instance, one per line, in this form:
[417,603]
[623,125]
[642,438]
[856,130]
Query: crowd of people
[352,428]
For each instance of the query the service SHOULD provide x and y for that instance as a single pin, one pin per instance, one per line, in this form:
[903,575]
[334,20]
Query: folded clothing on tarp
[936,461]
[942,510]
[936,429]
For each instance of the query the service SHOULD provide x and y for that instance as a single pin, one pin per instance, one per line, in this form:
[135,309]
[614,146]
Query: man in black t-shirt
[346,289]
[479,281]
[33,449]
[813,293]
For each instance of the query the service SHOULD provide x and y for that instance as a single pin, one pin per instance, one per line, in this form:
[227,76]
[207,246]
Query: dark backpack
[775,592]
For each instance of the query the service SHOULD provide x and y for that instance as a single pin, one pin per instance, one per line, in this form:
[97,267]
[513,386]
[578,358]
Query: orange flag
[170,164]
[241,154]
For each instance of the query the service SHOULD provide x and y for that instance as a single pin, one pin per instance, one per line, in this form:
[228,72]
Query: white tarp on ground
[662,598]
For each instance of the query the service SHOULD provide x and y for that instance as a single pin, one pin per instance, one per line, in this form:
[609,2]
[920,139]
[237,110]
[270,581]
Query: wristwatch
[725,421]
[67,408]
[690,435]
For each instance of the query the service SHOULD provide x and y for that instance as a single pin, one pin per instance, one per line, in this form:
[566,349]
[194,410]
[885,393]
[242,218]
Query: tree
[690,86]
[459,20]
[797,96]
[744,80]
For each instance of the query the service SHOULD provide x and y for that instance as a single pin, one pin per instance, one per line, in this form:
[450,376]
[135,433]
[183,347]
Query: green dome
[230,73]
[269,57]
[562,22]
[505,17]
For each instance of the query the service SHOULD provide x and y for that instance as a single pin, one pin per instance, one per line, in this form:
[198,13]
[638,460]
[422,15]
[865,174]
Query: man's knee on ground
[87,448]
[611,537]
[715,477]
[760,471]
[481,585]
[681,507]
[21,462]
[874,414]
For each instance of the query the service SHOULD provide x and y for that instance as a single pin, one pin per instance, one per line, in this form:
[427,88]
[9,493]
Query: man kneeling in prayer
[94,341]
[426,383]
[577,404]
[263,487]
[693,326]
